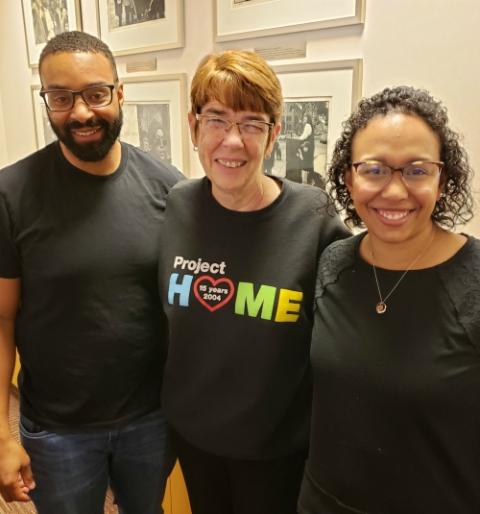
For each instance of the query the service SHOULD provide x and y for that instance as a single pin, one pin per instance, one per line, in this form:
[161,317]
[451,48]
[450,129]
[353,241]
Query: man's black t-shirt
[89,330]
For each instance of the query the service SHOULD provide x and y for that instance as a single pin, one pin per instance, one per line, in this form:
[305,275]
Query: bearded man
[78,299]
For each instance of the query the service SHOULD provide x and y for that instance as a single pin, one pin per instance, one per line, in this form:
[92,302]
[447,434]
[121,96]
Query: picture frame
[321,95]
[154,117]
[138,28]
[42,23]
[243,19]
[155,108]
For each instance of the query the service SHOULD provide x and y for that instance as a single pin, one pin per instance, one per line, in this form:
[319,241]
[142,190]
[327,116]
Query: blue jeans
[72,470]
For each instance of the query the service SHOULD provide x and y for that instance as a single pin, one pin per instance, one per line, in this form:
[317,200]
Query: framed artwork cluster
[127,26]
[154,111]
[318,96]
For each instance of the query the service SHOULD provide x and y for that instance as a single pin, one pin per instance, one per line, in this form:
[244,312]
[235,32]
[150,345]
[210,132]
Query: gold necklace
[381,306]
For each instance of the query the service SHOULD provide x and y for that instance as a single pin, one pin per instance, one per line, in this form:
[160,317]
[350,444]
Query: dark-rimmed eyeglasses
[60,100]
[219,126]
[414,174]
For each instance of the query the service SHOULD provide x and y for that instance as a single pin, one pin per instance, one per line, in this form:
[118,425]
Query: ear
[274,133]
[120,93]
[193,124]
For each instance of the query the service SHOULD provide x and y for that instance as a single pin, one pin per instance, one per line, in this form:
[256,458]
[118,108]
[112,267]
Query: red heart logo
[213,293]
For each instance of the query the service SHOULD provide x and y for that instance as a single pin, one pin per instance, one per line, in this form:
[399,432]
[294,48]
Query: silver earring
[195,148]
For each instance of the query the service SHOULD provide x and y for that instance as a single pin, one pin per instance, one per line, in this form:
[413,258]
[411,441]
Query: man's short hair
[76,41]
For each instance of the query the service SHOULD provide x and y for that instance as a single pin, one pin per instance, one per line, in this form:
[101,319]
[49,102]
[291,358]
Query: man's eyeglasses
[96,97]
[218,126]
[415,174]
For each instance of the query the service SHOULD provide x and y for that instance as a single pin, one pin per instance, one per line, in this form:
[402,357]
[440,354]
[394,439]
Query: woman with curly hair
[396,338]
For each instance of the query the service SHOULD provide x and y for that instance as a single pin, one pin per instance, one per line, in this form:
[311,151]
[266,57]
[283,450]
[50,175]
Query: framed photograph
[154,117]
[134,26]
[242,19]
[318,97]
[43,20]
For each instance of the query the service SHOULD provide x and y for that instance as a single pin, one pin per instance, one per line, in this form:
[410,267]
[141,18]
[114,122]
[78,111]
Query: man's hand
[16,479]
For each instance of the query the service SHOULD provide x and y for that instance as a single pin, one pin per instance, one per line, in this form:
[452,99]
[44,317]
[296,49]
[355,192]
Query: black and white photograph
[147,126]
[50,17]
[131,12]
[300,152]
[44,19]
[134,26]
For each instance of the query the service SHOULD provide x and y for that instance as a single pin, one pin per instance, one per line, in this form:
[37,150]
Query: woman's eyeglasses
[218,126]
[414,174]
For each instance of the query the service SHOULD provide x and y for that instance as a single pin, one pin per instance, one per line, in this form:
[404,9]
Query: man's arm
[15,472]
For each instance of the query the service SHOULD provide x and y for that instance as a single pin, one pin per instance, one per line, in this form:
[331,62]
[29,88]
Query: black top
[396,410]
[237,289]
[85,247]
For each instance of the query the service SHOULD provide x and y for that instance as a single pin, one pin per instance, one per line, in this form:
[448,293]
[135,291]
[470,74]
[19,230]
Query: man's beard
[90,152]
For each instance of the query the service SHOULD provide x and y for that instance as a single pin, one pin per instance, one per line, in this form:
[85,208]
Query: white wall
[434,44]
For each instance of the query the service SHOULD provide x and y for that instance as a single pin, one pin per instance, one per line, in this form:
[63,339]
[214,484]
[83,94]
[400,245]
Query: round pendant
[381,307]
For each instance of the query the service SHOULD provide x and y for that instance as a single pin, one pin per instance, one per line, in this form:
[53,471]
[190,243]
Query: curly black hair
[456,202]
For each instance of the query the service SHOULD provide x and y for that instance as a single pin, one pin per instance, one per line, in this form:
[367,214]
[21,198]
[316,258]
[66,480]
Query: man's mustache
[94,122]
